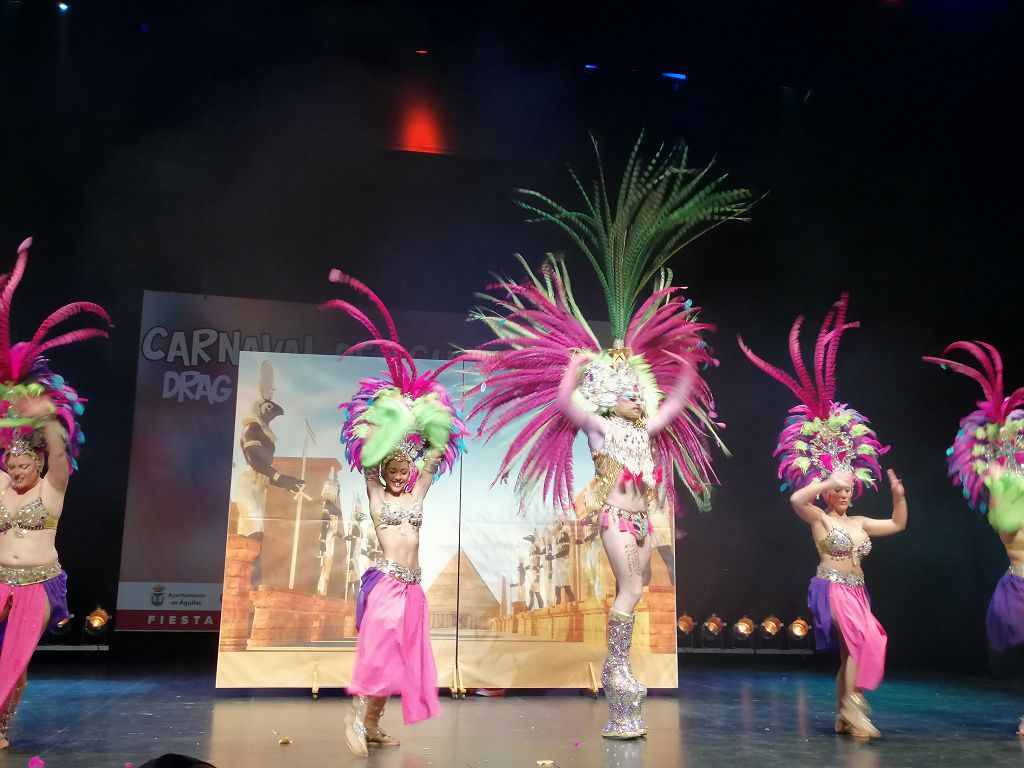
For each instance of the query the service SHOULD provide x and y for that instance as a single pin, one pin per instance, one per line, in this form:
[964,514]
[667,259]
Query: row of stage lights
[770,634]
[95,629]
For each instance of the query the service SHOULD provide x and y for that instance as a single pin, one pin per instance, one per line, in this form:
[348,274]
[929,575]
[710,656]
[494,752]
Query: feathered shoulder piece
[994,432]
[24,370]
[402,413]
[821,435]
[538,327]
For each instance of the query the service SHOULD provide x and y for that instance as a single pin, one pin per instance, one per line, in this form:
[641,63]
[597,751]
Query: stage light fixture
[590,66]
[711,631]
[769,632]
[686,625]
[63,7]
[799,633]
[62,628]
[96,626]
[743,632]
[674,75]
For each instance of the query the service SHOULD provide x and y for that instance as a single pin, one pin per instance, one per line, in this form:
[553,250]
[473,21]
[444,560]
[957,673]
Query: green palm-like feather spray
[662,205]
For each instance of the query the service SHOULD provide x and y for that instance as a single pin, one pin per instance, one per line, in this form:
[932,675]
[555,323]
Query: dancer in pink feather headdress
[987,461]
[41,439]
[402,431]
[828,451]
[641,403]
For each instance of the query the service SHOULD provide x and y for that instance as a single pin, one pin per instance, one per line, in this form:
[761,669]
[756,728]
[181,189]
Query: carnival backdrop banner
[518,597]
[178,487]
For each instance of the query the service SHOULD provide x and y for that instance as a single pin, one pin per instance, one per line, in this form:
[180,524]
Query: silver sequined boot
[624,692]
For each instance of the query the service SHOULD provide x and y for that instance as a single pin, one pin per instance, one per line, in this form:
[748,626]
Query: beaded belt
[399,571]
[840,577]
[22,577]
[638,523]
[1017,569]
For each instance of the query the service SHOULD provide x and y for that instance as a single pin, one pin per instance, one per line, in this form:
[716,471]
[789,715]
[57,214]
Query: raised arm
[898,521]
[431,461]
[374,487]
[58,465]
[802,500]
[590,423]
[674,402]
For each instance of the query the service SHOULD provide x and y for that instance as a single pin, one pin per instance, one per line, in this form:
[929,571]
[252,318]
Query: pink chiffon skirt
[393,654]
[850,608]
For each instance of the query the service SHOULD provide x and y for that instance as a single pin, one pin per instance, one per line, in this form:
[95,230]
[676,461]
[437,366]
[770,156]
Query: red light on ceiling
[420,129]
[422,52]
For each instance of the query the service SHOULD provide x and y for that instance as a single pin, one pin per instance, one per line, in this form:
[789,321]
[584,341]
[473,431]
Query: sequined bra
[624,457]
[839,546]
[393,514]
[31,516]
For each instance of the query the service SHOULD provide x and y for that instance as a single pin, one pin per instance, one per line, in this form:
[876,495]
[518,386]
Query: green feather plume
[661,206]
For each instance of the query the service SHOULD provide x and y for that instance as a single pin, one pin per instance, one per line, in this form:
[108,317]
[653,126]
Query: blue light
[590,66]
[674,75]
[63,7]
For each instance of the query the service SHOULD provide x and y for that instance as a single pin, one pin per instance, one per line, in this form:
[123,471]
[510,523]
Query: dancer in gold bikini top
[40,439]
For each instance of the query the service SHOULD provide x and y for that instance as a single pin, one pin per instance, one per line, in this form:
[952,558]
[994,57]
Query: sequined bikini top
[31,516]
[839,546]
[628,443]
[625,456]
[393,514]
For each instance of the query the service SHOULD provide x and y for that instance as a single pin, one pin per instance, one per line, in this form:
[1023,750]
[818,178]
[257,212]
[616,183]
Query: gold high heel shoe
[9,708]
[374,735]
[856,712]
[355,730]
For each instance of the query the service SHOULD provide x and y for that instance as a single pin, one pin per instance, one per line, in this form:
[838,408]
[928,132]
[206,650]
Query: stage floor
[725,713]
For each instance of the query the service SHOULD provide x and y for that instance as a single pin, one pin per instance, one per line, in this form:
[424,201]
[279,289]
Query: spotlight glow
[714,625]
[744,626]
[771,626]
[63,7]
[799,629]
[674,75]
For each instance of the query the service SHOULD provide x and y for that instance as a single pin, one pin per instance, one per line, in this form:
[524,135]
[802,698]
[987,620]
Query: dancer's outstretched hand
[896,485]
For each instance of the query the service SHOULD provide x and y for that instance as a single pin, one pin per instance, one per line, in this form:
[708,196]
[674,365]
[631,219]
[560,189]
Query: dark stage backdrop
[244,154]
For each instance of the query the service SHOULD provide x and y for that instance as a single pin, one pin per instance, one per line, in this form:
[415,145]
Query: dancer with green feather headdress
[641,402]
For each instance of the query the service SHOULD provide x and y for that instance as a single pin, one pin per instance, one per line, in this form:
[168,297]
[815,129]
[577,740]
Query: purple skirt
[826,636]
[1005,619]
[370,578]
[56,590]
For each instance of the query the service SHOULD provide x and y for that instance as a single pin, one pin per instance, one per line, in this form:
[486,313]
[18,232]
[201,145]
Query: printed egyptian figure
[331,531]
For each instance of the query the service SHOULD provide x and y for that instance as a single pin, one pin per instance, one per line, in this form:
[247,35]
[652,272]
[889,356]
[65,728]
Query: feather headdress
[661,206]
[538,327]
[994,432]
[821,435]
[24,370]
[400,415]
